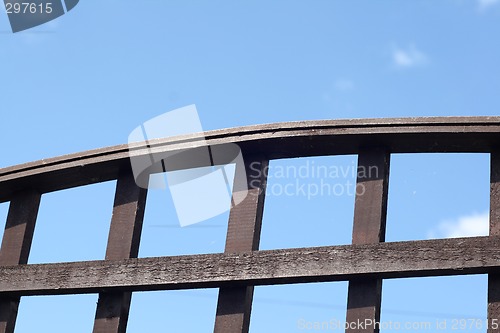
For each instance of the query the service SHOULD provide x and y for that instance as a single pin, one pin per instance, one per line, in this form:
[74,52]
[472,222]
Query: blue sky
[87,79]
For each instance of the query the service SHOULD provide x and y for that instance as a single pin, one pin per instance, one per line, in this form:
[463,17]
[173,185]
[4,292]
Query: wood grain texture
[280,140]
[245,219]
[459,256]
[16,245]
[370,207]
[370,210]
[123,242]
[494,279]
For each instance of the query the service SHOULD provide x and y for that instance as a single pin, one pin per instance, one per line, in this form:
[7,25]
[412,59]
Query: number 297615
[28,8]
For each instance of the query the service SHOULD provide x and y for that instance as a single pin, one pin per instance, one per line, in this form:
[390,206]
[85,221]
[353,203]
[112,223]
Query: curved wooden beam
[279,140]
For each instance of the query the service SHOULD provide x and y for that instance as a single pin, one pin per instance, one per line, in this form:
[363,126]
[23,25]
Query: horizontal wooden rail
[476,255]
[281,140]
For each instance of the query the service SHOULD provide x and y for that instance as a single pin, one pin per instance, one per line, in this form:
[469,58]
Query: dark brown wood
[370,207]
[370,210]
[459,256]
[123,242]
[494,279]
[16,244]
[281,140]
[364,264]
[243,234]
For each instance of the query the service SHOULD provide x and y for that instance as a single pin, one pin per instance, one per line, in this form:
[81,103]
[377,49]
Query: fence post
[123,242]
[16,245]
[370,209]
[243,234]
[494,279]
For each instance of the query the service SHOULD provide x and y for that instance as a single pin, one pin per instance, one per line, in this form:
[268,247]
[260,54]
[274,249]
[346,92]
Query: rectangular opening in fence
[299,307]
[173,311]
[435,304]
[165,234]
[73,224]
[309,202]
[438,196]
[56,314]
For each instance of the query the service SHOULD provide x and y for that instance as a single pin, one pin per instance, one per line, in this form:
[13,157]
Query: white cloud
[409,57]
[464,226]
[485,4]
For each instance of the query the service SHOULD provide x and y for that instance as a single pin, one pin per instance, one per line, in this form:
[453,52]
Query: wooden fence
[242,266]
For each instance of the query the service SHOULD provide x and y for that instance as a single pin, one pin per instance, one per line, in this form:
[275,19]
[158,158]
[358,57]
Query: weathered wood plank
[123,242]
[245,220]
[16,245]
[370,210]
[370,207]
[281,140]
[494,279]
[459,256]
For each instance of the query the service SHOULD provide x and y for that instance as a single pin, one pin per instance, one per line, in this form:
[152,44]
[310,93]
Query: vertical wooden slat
[364,296]
[494,279]
[16,245]
[243,234]
[123,242]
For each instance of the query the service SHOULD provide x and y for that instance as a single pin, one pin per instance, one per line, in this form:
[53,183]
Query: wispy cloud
[340,87]
[408,57]
[485,4]
[464,226]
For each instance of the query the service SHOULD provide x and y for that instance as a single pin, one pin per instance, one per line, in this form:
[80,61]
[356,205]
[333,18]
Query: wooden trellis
[235,272]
